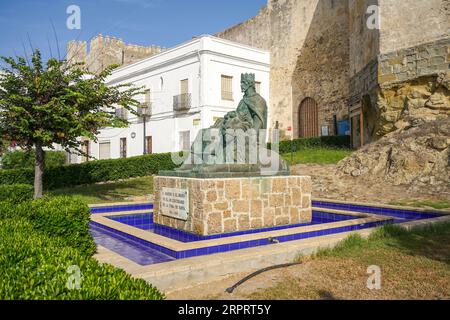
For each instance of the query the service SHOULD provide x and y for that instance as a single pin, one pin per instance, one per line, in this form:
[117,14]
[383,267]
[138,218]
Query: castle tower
[105,51]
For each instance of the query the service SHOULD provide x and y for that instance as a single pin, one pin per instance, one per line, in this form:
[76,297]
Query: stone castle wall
[104,51]
[304,37]
[409,23]
[323,49]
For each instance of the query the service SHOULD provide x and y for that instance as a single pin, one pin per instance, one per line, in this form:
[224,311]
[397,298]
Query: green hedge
[41,239]
[64,217]
[16,193]
[21,159]
[319,142]
[93,171]
[35,266]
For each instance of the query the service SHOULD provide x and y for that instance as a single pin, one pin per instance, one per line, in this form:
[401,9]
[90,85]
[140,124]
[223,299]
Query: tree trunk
[39,170]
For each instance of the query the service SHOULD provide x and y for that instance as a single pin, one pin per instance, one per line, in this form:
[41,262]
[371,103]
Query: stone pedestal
[223,205]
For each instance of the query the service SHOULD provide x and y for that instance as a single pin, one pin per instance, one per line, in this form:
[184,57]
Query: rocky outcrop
[417,155]
[425,98]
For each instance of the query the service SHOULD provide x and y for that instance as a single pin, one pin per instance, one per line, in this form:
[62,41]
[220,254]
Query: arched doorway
[308,117]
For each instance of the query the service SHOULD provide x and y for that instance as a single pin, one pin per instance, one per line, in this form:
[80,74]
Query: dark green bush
[25,160]
[16,193]
[93,171]
[66,218]
[35,266]
[318,142]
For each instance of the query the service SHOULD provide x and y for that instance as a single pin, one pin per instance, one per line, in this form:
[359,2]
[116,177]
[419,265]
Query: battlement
[104,51]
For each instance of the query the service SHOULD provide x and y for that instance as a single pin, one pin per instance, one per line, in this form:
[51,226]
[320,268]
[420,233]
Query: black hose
[232,288]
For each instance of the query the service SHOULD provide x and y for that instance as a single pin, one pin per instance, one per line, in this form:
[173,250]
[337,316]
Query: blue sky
[144,22]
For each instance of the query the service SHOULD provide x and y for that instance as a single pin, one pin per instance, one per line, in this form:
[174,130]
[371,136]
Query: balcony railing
[145,110]
[122,113]
[182,102]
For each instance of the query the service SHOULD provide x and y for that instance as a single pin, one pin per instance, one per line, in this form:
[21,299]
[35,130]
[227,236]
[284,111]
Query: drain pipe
[232,288]
[254,274]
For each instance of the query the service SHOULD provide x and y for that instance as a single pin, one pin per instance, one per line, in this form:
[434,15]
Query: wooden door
[308,119]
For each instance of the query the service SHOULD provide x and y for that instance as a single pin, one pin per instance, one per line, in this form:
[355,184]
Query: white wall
[202,61]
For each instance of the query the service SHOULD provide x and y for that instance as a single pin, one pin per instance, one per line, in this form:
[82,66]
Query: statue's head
[247,81]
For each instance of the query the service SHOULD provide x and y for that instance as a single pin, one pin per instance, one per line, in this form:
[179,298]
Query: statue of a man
[251,112]
[250,120]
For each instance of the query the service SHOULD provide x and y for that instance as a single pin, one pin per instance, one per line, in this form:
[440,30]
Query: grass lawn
[317,156]
[118,191]
[414,265]
[436,204]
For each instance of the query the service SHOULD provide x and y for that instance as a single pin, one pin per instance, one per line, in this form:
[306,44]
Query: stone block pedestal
[224,205]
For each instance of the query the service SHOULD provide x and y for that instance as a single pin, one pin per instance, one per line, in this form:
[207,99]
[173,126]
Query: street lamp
[145,111]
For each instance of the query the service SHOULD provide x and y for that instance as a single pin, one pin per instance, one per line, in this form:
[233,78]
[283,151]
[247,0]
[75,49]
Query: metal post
[145,142]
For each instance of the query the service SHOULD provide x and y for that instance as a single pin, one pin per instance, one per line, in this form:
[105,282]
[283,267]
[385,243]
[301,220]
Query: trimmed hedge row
[16,193]
[318,142]
[21,159]
[92,172]
[66,218]
[35,266]
[42,240]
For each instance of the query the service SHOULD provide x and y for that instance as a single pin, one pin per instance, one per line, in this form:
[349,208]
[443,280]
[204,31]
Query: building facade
[329,65]
[187,88]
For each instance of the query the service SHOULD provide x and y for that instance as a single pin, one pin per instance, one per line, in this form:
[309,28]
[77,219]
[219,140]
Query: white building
[187,88]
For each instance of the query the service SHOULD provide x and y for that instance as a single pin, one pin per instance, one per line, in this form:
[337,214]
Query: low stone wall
[237,204]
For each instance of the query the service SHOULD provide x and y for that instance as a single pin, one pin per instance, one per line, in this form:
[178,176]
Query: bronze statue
[247,123]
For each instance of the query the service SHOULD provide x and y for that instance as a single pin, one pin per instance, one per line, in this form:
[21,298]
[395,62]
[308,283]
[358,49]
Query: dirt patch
[406,273]
[327,184]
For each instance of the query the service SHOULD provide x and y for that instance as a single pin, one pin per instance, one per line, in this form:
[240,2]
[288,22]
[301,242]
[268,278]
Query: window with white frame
[104,150]
[123,147]
[258,86]
[185,140]
[227,87]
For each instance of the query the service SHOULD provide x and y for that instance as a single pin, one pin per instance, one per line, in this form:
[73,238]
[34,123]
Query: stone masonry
[308,42]
[228,205]
[105,51]
[324,50]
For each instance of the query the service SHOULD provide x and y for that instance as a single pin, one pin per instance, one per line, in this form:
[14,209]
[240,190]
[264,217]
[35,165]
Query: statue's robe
[258,110]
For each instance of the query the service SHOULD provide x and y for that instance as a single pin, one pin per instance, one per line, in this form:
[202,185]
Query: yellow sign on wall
[196,122]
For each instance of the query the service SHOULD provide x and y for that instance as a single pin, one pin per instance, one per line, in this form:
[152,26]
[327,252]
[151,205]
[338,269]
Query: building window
[185,140]
[258,86]
[122,113]
[182,102]
[104,150]
[184,86]
[123,147]
[149,144]
[147,93]
[227,87]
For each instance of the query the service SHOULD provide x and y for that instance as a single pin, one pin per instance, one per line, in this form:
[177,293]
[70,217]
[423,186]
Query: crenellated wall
[104,51]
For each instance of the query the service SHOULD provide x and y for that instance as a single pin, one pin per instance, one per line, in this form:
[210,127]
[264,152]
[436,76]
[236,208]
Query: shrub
[25,160]
[35,266]
[66,218]
[318,142]
[16,193]
[93,172]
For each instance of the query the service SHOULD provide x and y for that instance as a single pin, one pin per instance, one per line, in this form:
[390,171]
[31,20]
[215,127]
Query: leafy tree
[43,104]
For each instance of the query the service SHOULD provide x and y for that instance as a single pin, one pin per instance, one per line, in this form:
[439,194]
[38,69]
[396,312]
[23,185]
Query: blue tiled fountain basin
[124,207]
[399,215]
[146,253]
[145,222]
